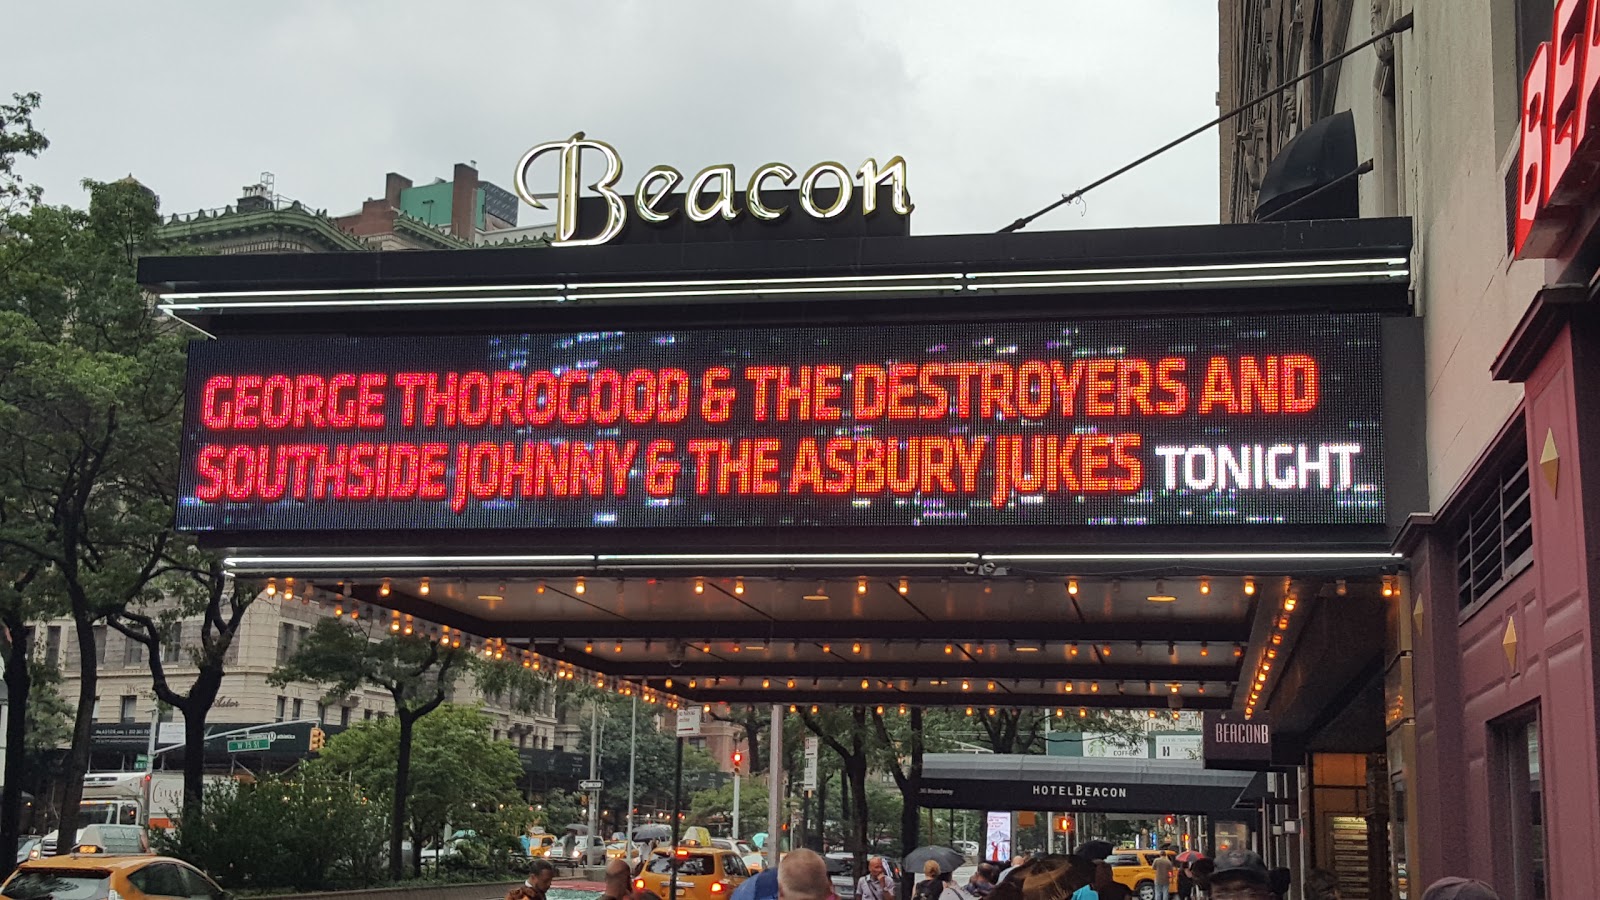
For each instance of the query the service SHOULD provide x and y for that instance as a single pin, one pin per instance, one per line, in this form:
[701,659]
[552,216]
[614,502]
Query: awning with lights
[1138,455]
[1080,784]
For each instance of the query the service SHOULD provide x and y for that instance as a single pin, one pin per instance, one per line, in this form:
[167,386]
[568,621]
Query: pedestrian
[1278,880]
[876,884]
[1185,882]
[618,880]
[1240,875]
[537,884]
[929,887]
[1201,870]
[1106,885]
[947,887]
[1162,868]
[981,884]
[1459,889]
[1321,885]
[802,875]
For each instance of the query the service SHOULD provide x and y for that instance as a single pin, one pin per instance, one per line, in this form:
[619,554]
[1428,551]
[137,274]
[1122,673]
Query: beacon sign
[826,190]
[1559,166]
[1249,420]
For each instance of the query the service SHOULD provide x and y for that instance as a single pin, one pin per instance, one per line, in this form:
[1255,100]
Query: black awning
[1322,156]
[1083,784]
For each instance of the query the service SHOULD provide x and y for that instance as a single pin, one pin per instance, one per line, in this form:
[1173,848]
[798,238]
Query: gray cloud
[998,107]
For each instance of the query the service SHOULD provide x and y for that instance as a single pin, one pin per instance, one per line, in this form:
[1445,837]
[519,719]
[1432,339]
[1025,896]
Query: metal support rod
[1401,24]
[677,814]
[633,748]
[774,785]
[594,775]
[735,834]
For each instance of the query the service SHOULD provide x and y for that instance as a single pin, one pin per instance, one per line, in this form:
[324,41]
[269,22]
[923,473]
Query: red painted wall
[1463,679]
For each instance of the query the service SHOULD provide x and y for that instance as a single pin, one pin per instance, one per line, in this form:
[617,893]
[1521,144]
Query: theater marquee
[1114,422]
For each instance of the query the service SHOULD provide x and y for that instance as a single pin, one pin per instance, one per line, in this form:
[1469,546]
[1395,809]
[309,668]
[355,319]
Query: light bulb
[422,587]
[578,586]
[738,586]
[1249,587]
[861,585]
[272,587]
[699,585]
[1205,586]
[1072,586]
[904,587]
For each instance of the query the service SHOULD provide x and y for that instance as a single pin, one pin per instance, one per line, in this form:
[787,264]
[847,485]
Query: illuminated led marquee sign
[1246,420]
[710,194]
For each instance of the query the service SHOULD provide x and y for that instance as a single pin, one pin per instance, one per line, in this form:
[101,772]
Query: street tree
[459,774]
[654,747]
[416,671]
[902,752]
[196,586]
[846,733]
[90,394]
[18,137]
[753,721]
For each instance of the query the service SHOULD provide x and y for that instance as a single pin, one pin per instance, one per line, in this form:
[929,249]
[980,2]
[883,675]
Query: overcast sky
[998,107]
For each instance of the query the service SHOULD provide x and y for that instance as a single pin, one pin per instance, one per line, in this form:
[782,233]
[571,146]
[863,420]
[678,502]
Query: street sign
[689,722]
[809,780]
[245,745]
[591,785]
[141,761]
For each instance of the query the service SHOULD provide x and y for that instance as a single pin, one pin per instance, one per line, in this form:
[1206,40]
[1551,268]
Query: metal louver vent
[1496,541]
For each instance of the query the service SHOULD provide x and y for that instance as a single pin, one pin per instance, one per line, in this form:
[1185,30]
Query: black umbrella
[1320,160]
[652,833]
[1094,851]
[948,859]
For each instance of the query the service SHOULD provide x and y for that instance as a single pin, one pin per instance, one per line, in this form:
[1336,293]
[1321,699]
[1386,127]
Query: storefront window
[1232,836]
[1521,863]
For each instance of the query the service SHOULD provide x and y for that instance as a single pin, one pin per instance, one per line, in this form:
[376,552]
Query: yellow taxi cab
[95,876]
[539,844]
[1135,869]
[702,873]
[617,850]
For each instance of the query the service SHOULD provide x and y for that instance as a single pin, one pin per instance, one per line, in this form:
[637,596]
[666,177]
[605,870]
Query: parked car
[580,850]
[969,849]
[96,876]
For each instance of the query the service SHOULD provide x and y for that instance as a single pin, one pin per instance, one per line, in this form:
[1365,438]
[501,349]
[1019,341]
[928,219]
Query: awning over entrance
[1078,784]
[1141,456]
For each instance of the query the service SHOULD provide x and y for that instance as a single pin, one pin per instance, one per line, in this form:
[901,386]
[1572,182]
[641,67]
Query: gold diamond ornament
[1509,642]
[1550,461]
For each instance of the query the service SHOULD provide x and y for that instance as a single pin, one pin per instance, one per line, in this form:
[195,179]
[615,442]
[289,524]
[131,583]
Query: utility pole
[738,759]
[594,775]
[774,786]
[633,747]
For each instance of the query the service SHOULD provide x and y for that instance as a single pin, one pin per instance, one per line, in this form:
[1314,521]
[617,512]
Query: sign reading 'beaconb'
[1233,741]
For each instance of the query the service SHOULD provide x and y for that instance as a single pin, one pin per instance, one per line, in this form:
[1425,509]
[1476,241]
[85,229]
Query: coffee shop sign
[710,194]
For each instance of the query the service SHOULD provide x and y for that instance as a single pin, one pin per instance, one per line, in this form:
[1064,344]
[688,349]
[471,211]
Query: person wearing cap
[1240,875]
[1459,889]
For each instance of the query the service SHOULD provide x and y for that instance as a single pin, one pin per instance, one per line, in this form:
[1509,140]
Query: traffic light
[738,760]
[1171,820]
[318,738]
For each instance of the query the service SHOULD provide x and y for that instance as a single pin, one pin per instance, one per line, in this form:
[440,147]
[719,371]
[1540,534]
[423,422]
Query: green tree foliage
[90,409]
[283,833]
[460,776]
[653,761]
[18,137]
[415,671]
[714,808]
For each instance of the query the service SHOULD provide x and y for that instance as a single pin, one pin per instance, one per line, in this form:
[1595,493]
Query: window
[286,642]
[164,713]
[160,880]
[322,713]
[298,706]
[132,652]
[230,656]
[366,715]
[283,704]
[52,646]
[172,650]
[100,644]
[130,705]
[344,716]
[1496,540]
[1520,788]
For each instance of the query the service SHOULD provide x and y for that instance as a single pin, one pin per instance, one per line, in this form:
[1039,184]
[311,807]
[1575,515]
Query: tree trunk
[858,802]
[195,710]
[402,779]
[911,810]
[19,684]
[77,759]
[752,733]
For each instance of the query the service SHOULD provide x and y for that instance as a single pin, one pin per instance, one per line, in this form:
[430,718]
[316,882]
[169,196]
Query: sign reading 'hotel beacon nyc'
[712,193]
